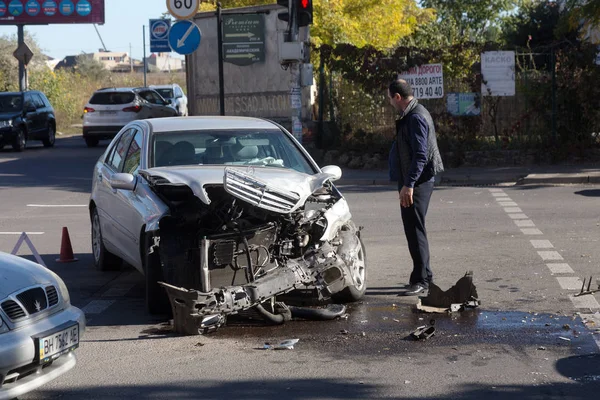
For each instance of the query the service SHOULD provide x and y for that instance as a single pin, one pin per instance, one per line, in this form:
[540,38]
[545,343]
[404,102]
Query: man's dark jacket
[415,157]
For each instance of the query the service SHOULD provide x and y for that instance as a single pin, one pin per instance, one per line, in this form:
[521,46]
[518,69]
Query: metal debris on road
[284,345]
[423,332]
[460,296]
[541,348]
[585,291]
[564,338]
[344,332]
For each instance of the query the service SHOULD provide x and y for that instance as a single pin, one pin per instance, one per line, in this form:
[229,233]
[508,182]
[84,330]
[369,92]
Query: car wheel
[92,142]
[103,259]
[157,300]
[49,141]
[357,290]
[20,141]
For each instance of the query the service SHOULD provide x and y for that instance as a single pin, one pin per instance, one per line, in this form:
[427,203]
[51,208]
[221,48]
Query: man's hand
[406,197]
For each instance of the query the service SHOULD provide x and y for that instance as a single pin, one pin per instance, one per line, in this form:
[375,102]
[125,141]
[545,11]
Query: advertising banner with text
[45,12]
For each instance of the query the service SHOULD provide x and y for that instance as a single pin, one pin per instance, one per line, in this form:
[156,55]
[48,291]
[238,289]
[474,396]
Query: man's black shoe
[414,290]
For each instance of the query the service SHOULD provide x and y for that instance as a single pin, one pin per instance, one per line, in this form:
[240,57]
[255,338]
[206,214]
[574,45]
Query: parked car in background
[26,116]
[39,328]
[110,109]
[231,208]
[174,93]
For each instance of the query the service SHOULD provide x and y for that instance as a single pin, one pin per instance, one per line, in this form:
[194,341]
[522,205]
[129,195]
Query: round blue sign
[84,8]
[32,8]
[15,8]
[160,30]
[3,8]
[49,8]
[66,7]
[184,37]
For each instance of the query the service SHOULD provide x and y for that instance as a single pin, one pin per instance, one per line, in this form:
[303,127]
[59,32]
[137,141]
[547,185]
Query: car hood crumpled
[17,273]
[282,179]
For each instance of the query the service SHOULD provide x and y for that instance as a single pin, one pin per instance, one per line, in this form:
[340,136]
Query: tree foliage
[377,23]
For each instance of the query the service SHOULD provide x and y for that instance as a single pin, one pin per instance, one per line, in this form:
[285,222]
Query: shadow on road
[67,166]
[589,192]
[320,388]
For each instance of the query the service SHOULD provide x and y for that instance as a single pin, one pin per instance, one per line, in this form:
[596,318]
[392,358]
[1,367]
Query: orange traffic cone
[66,251]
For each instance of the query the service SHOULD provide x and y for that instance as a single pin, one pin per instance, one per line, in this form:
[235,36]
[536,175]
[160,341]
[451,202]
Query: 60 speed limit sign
[183,9]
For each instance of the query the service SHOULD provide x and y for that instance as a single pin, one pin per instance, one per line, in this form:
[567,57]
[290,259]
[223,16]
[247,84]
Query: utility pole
[22,69]
[295,84]
[145,62]
[130,59]
[220,45]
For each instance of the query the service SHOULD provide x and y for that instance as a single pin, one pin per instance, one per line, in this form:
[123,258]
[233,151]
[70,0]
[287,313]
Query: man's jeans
[413,219]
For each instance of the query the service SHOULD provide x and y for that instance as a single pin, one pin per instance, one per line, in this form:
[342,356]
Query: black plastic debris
[460,296]
[423,332]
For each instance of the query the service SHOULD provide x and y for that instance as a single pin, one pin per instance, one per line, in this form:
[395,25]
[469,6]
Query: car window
[268,148]
[166,93]
[11,103]
[151,97]
[117,155]
[28,101]
[37,101]
[45,99]
[134,154]
[112,98]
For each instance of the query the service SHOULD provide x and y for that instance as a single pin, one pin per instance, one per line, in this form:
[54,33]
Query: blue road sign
[184,37]
[159,35]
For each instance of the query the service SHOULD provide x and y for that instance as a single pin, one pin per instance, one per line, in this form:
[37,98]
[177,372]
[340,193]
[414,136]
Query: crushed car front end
[238,238]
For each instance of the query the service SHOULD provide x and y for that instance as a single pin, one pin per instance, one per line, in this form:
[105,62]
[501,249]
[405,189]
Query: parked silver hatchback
[39,328]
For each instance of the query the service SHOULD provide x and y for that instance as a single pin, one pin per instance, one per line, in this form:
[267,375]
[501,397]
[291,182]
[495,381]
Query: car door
[108,200]
[128,206]
[160,108]
[31,118]
[42,113]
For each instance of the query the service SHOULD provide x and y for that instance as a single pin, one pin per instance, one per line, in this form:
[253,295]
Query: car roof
[19,93]
[167,86]
[115,89]
[178,124]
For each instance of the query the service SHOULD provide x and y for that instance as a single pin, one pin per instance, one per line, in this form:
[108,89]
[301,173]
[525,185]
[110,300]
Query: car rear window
[166,93]
[112,98]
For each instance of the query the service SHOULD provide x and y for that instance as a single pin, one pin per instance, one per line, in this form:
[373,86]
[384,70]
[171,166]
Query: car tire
[353,292]
[103,259]
[91,141]
[157,300]
[51,139]
[20,141]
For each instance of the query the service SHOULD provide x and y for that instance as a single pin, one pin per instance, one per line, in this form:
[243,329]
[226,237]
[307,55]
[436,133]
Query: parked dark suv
[26,116]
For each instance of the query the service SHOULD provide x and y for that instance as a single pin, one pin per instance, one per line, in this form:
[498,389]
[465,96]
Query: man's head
[400,94]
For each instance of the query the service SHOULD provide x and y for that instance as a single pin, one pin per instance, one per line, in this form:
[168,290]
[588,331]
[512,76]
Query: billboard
[427,81]
[498,70]
[44,12]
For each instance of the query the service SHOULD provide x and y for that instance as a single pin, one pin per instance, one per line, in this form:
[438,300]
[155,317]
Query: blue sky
[124,21]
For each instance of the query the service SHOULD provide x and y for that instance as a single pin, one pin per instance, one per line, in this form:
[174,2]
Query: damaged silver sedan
[224,215]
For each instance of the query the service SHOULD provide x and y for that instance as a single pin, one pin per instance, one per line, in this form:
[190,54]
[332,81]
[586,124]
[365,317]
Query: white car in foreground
[39,328]
[231,212]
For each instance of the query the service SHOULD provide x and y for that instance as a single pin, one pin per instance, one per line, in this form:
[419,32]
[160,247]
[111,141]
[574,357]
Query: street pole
[145,62]
[22,69]
[295,84]
[220,46]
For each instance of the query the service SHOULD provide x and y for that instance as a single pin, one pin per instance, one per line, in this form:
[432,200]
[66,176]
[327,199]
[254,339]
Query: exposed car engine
[245,243]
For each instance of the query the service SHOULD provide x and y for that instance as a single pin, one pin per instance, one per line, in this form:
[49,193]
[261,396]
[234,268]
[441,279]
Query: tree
[377,23]
[89,67]
[9,66]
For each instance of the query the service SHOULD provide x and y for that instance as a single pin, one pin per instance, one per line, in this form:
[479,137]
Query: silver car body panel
[17,349]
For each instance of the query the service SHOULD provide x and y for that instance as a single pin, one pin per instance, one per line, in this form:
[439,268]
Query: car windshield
[265,148]
[166,93]
[10,103]
[112,98]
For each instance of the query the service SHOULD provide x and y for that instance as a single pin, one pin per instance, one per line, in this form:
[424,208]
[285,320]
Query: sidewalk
[531,175]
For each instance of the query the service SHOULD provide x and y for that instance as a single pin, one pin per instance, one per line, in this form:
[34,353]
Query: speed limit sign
[183,9]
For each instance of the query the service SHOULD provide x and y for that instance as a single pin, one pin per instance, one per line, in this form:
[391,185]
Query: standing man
[415,161]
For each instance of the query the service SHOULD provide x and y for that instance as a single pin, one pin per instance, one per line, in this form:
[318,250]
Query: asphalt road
[529,248]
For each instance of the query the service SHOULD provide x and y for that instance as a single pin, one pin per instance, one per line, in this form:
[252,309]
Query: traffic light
[302,8]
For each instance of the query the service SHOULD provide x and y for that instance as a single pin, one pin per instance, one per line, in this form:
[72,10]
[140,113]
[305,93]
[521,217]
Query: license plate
[57,343]
[108,113]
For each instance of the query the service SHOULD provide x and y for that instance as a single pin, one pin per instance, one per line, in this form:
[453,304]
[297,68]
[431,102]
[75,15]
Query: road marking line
[508,203]
[550,255]
[499,194]
[560,268]
[19,233]
[569,282]
[587,301]
[541,244]
[513,210]
[494,190]
[524,223]
[97,306]
[118,290]
[531,231]
[518,216]
[503,198]
[56,205]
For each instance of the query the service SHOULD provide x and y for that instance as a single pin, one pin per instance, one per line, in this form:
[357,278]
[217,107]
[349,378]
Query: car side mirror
[333,170]
[123,181]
